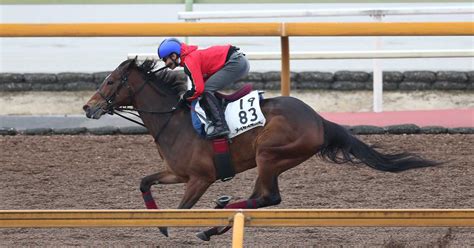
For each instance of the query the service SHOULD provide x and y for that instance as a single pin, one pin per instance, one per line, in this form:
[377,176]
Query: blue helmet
[169,46]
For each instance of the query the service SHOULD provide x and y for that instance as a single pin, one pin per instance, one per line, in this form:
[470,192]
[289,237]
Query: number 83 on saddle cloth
[241,115]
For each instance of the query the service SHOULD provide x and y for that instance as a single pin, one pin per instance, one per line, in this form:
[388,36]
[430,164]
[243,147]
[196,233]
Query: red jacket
[199,65]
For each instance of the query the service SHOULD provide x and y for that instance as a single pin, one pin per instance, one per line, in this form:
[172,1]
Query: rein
[131,111]
[119,110]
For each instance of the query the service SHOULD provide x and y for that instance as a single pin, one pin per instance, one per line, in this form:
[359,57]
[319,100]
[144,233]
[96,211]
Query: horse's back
[292,108]
[292,119]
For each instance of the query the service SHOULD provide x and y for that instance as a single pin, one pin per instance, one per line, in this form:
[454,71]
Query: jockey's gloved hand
[187,95]
[184,96]
[181,100]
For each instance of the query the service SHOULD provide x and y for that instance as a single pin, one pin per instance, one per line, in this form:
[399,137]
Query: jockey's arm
[193,70]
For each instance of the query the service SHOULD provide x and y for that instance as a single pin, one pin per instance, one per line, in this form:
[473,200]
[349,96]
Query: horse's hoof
[164,230]
[203,236]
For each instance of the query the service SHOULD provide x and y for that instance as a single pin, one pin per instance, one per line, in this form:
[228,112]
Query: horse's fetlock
[274,200]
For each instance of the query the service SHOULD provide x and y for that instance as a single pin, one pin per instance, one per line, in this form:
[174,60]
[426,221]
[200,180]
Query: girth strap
[222,159]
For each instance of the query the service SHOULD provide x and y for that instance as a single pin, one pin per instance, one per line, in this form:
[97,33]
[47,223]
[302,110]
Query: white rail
[198,15]
[388,54]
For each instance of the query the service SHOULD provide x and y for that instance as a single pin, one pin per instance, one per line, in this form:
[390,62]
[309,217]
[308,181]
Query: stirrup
[222,201]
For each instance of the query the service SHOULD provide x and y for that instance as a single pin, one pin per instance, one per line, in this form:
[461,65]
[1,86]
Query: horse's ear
[133,62]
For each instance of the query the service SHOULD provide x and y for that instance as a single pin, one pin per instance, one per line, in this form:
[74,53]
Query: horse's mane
[166,80]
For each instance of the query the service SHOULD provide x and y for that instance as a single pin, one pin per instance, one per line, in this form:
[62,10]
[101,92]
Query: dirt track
[103,172]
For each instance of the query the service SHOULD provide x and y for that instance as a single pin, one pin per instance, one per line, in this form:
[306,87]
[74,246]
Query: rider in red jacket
[209,69]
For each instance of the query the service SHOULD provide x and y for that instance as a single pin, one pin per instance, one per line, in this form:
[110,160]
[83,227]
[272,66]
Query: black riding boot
[214,112]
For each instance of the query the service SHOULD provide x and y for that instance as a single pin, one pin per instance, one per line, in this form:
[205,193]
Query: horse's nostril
[85,107]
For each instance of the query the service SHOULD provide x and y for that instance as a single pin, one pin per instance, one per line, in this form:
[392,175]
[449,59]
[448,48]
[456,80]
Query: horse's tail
[340,147]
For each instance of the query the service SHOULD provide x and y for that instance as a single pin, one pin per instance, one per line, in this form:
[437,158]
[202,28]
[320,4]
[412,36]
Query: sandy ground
[60,103]
[104,172]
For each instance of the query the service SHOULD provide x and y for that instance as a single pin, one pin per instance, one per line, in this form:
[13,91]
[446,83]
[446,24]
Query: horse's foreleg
[195,188]
[163,177]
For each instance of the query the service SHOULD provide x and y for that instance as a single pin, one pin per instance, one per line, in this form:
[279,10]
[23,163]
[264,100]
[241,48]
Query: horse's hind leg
[218,230]
[254,201]
[163,177]
[266,191]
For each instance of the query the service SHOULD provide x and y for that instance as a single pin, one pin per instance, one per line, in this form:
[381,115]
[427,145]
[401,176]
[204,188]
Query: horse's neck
[165,128]
[149,100]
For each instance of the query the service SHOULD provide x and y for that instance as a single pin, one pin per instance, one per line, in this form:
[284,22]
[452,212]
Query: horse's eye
[110,82]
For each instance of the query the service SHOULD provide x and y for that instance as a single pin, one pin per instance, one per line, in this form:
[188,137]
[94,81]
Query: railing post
[377,74]
[285,66]
[238,231]
[188,7]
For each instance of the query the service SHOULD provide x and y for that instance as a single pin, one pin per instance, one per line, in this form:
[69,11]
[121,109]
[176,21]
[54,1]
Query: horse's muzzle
[93,112]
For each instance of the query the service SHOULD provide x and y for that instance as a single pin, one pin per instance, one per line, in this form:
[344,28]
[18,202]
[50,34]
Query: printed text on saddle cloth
[241,115]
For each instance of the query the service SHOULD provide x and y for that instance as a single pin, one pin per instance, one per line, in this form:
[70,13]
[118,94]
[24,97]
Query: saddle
[242,91]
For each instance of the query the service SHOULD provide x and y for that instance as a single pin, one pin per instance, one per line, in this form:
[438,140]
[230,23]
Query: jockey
[209,69]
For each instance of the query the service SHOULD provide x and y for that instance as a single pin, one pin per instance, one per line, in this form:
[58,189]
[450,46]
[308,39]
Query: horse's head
[117,89]
[123,85]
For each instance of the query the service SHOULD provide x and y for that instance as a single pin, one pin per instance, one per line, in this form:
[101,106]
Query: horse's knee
[146,184]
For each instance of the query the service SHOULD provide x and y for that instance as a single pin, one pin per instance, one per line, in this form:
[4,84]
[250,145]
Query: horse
[293,133]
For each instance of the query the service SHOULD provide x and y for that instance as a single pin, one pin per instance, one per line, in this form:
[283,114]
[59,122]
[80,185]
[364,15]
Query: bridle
[110,100]
[112,109]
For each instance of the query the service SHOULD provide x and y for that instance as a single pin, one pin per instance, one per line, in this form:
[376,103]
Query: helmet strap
[176,61]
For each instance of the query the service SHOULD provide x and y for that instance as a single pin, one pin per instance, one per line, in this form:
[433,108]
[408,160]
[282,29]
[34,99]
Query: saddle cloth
[241,115]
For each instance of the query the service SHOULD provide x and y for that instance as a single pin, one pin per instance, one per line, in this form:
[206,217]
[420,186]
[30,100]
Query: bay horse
[293,133]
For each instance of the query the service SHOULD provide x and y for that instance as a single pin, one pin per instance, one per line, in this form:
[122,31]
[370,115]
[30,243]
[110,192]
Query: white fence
[199,15]
[377,14]
[389,54]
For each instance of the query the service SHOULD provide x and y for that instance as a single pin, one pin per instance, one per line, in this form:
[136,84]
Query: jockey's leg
[216,114]
[235,68]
